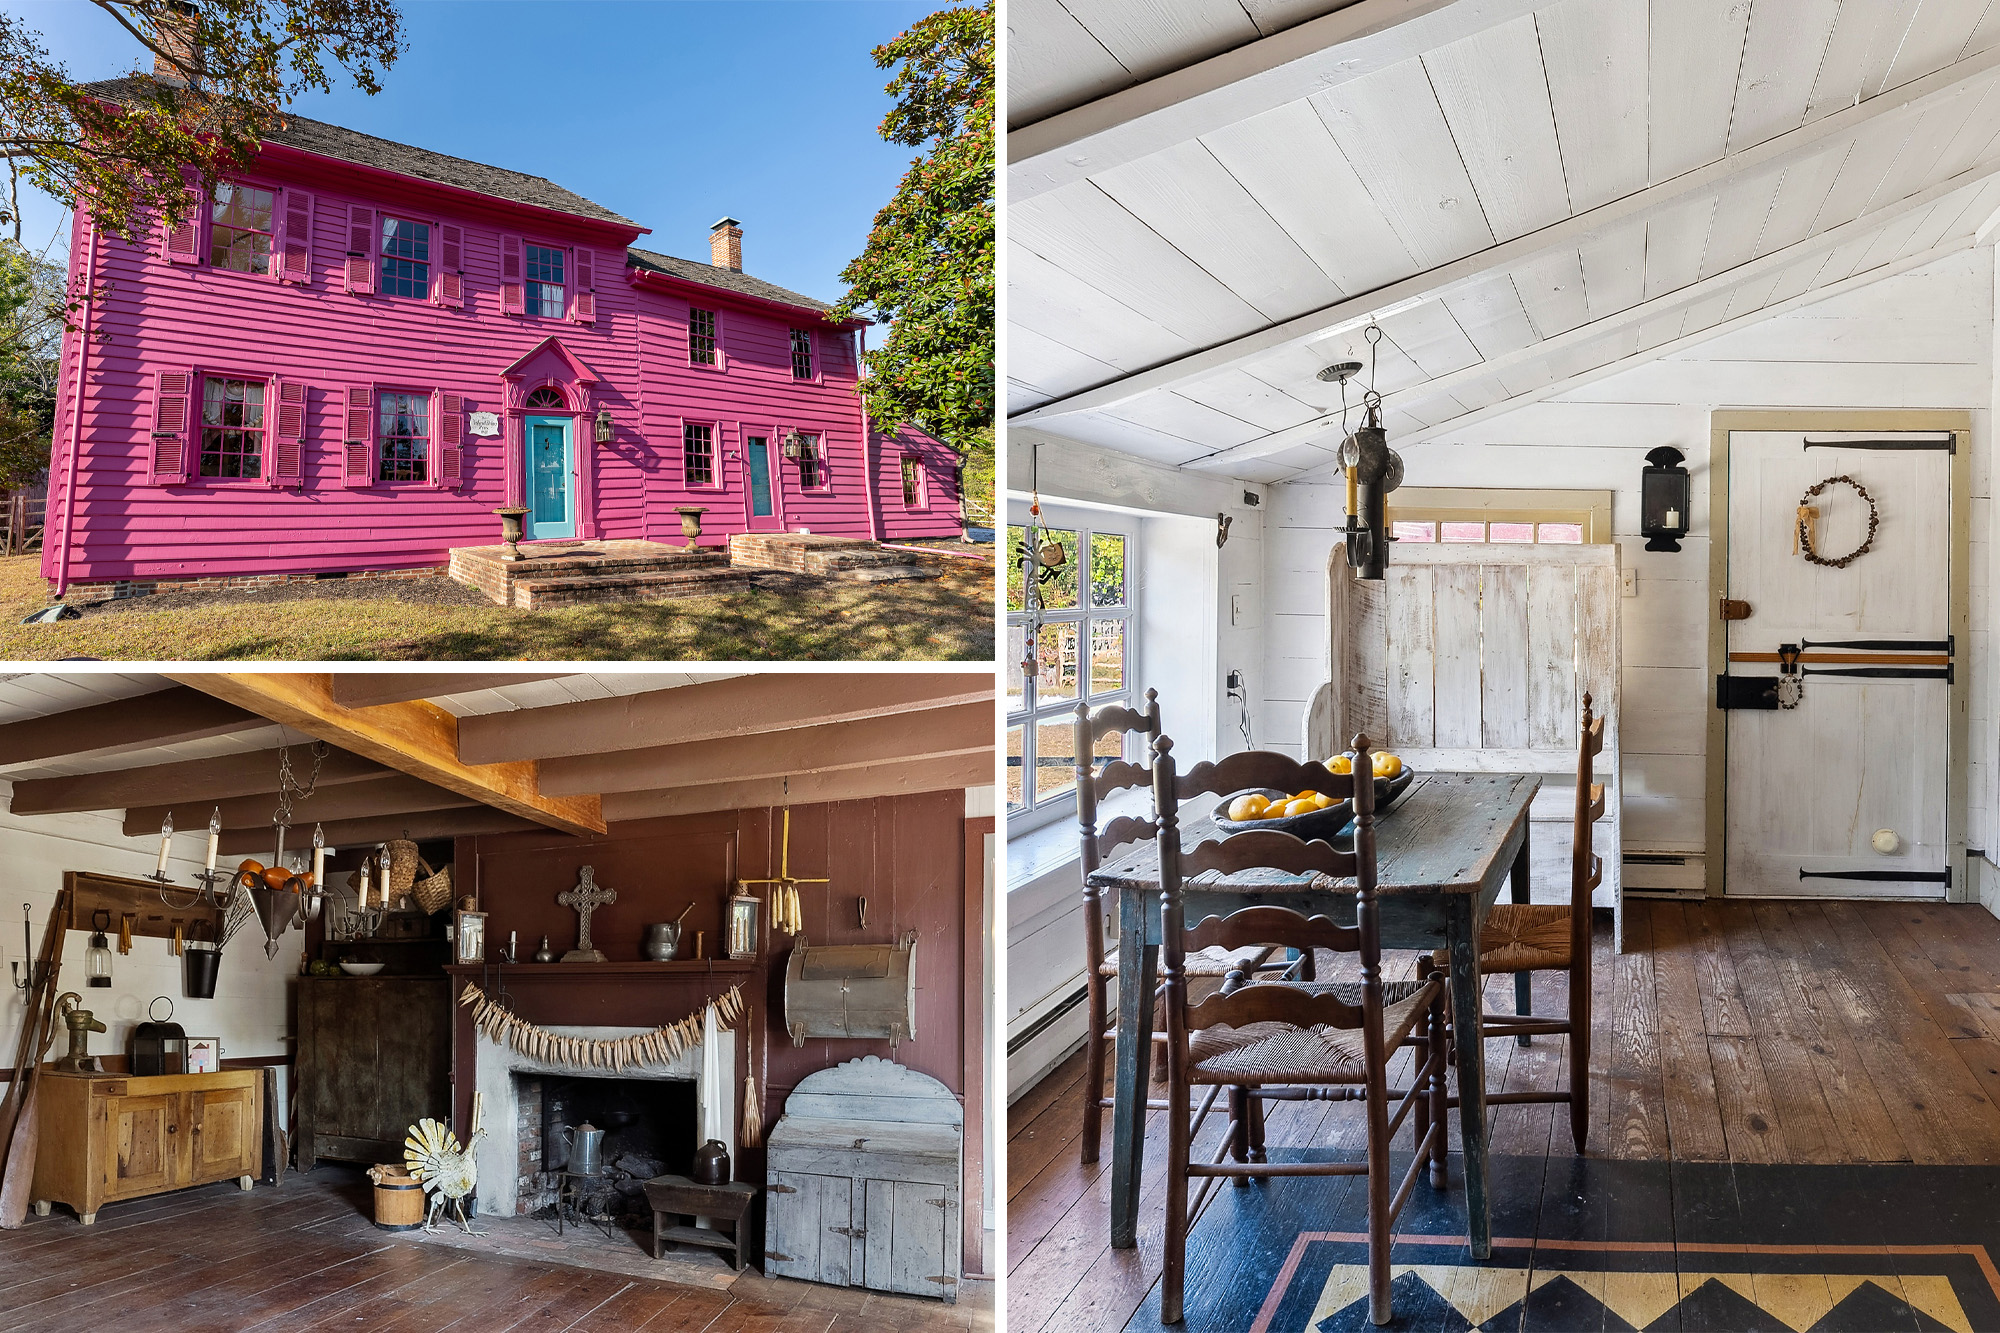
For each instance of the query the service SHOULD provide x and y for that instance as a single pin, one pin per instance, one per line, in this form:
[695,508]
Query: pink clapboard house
[358,350]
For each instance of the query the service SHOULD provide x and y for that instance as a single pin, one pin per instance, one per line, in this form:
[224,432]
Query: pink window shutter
[583,309]
[173,426]
[357,449]
[295,238]
[513,295]
[360,263]
[451,267]
[181,243]
[288,434]
[451,440]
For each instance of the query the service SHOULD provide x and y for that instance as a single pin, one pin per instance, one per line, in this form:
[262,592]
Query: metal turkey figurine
[445,1170]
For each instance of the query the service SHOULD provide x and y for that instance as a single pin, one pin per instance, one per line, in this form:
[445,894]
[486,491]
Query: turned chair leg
[1093,1080]
[1239,1131]
[1173,1264]
[1379,1192]
[1256,1110]
[1523,999]
[1579,1054]
[1439,1093]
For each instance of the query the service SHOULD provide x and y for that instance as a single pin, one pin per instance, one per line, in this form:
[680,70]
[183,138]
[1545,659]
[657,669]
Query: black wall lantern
[1663,499]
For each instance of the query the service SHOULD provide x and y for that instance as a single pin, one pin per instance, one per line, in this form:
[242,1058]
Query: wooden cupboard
[106,1137]
[374,1058]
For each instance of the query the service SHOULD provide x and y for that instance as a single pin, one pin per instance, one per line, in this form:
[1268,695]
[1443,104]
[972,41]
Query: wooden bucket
[399,1202]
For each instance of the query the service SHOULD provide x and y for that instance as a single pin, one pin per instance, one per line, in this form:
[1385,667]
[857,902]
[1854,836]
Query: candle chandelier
[1373,469]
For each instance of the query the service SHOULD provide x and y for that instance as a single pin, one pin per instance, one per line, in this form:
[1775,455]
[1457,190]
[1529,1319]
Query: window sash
[403,437]
[241,228]
[701,337]
[697,455]
[405,267]
[232,430]
[802,354]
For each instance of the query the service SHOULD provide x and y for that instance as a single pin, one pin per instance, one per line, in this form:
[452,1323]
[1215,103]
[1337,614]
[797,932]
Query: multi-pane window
[240,228]
[802,354]
[701,337]
[232,428]
[812,464]
[698,454]
[545,281]
[1069,638]
[406,258]
[405,436]
[913,483]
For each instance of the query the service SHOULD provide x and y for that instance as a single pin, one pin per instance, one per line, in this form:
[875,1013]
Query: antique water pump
[81,1023]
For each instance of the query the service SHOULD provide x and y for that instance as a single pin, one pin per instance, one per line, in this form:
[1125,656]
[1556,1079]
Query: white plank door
[1808,789]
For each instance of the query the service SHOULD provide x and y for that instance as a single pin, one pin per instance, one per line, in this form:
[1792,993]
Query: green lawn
[944,619]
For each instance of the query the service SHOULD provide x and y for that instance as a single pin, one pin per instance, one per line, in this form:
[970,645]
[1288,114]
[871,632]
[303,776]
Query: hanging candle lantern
[97,959]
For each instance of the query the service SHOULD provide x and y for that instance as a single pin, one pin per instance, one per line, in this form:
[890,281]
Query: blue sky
[671,112]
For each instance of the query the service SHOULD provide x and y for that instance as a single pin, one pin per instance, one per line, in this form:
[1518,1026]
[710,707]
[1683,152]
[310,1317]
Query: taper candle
[214,836]
[319,857]
[166,841]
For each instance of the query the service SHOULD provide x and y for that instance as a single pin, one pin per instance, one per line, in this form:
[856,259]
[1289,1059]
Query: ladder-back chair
[1524,938]
[1093,784]
[1285,1033]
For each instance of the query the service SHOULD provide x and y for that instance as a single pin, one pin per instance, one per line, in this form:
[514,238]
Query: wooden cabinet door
[147,1148]
[809,1228]
[909,1229]
[223,1134]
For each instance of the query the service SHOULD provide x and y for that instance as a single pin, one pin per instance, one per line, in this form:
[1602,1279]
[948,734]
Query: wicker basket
[433,891]
[403,860]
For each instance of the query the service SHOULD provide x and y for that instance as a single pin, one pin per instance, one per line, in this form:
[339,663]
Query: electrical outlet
[1628,582]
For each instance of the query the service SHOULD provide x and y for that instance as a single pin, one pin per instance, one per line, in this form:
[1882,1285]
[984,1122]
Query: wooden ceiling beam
[185,780]
[1677,299]
[420,827]
[1187,103]
[1363,308]
[896,738]
[854,784]
[413,737]
[712,710]
[392,794]
[371,689]
[164,717]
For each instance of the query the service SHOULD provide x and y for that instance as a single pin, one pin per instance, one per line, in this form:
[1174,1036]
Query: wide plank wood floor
[306,1256]
[1775,1032]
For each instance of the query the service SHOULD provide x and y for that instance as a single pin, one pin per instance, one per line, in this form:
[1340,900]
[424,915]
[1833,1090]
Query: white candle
[364,886]
[166,841]
[1673,518]
[319,857]
[214,836]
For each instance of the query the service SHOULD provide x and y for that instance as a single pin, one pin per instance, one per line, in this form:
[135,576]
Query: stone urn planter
[511,529]
[690,521]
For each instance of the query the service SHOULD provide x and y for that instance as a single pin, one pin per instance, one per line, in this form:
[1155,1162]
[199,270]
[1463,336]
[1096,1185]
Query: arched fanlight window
[545,397]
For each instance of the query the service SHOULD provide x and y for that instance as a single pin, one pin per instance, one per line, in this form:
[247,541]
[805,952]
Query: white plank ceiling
[1548,193]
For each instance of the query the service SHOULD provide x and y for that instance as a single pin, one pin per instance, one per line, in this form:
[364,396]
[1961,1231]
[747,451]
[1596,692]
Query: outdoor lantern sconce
[1663,499]
[604,425]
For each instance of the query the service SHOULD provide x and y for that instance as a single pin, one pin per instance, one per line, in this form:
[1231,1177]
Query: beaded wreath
[1805,532]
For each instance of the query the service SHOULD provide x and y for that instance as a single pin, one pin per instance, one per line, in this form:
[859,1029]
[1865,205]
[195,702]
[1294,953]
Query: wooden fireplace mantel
[638,968]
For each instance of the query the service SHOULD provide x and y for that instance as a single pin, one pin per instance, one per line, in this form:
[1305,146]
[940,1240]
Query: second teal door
[551,478]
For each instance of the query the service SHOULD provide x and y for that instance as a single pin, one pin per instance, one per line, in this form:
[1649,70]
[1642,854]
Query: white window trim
[1085,522]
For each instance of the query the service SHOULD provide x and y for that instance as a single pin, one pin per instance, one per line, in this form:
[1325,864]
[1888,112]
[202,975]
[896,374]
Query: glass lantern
[740,926]
[1663,499]
[97,959]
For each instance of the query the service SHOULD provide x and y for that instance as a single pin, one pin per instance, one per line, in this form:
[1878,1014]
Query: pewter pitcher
[586,1147]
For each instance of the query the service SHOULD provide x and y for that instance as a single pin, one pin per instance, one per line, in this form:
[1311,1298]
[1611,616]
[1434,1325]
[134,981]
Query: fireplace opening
[649,1130]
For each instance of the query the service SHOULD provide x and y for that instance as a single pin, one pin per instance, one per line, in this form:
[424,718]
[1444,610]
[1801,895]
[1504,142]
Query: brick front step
[540,594]
[848,558]
[595,571]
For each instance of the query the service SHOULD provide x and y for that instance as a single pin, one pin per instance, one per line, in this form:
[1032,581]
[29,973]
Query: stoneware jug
[711,1164]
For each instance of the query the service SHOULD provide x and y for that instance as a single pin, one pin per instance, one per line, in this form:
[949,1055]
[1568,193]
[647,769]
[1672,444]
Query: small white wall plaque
[484,423]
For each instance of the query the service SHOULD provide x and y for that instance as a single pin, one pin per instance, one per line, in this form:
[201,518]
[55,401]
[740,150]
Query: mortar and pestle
[663,938]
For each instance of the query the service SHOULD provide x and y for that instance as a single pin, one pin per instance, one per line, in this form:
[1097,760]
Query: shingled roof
[726,278]
[313,136]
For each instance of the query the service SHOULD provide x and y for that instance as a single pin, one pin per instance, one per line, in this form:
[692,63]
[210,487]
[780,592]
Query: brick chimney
[175,33]
[725,245]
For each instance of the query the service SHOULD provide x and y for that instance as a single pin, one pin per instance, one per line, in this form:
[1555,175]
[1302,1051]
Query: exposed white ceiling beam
[1640,358]
[1236,85]
[1665,303]
[1568,234]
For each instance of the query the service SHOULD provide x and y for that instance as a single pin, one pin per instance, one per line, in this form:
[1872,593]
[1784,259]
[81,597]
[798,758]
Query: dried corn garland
[662,1045]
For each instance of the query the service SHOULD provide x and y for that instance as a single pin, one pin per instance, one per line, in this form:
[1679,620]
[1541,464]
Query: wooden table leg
[1137,964]
[1461,931]
[1518,890]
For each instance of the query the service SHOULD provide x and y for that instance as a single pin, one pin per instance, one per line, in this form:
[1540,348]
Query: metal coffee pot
[586,1149]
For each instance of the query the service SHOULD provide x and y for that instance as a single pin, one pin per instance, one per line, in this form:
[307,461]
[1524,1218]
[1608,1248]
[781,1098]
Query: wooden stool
[678,1196]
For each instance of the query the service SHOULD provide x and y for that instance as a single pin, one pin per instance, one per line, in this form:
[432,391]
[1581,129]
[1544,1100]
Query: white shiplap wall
[1920,340]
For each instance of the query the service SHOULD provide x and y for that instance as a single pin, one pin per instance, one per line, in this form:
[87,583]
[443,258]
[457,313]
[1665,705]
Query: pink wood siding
[939,514]
[161,316]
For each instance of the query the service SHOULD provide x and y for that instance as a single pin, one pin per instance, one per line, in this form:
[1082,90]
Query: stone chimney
[175,33]
[725,245]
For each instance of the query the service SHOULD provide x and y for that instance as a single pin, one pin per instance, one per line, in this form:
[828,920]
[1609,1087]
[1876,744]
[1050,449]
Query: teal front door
[757,452]
[551,474]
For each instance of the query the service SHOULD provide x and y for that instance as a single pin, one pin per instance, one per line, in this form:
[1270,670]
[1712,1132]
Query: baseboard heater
[1019,1040]
[1663,875]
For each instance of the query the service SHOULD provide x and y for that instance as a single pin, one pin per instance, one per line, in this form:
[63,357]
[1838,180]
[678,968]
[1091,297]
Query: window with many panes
[232,428]
[406,258]
[405,436]
[812,464]
[701,337]
[802,354]
[698,455]
[1069,639]
[545,280]
[240,228]
[1460,514]
[913,483]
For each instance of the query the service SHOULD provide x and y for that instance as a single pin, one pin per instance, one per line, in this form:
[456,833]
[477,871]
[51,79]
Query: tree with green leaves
[928,270]
[228,69]
[31,325]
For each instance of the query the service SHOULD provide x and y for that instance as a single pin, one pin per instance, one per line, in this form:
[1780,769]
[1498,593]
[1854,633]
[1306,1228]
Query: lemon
[1340,763]
[1299,805]
[1387,765]
[1247,807]
[1322,800]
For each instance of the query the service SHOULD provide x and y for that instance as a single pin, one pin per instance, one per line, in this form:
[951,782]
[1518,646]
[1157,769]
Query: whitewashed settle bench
[1475,658]
[863,1183]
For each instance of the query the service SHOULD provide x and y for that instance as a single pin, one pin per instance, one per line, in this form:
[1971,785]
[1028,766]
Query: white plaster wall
[1919,340]
[251,1011]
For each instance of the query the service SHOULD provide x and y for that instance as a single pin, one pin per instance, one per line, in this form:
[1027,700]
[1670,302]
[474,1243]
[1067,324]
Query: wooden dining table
[1443,849]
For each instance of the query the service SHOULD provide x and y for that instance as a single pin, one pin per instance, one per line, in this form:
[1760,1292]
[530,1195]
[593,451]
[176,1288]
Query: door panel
[757,464]
[146,1132]
[225,1134]
[551,492]
[908,1237]
[1808,788]
[808,1236]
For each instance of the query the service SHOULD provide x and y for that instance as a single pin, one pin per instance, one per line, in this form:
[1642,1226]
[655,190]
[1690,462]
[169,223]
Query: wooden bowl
[1324,825]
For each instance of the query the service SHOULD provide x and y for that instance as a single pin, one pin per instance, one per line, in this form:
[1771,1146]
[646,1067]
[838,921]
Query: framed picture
[204,1055]
[740,930]
[469,937]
